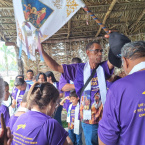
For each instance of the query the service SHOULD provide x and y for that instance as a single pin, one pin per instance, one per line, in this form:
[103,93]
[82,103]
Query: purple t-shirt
[14,94]
[4,109]
[12,121]
[123,119]
[63,82]
[37,128]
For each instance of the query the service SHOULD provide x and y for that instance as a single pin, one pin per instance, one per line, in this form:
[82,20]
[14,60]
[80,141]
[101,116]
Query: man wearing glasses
[80,73]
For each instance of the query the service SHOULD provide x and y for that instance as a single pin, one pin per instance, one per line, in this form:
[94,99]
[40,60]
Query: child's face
[30,75]
[49,79]
[21,88]
[41,79]
[6,93]
[74,100]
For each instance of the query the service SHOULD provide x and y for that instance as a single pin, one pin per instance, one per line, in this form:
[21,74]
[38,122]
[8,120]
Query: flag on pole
[37,20]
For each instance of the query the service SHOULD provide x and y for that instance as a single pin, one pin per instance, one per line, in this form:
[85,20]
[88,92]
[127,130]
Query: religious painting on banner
[36,13]
[37,20]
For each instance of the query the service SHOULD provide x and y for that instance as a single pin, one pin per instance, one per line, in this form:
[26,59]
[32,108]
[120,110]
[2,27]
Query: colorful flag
[37,20]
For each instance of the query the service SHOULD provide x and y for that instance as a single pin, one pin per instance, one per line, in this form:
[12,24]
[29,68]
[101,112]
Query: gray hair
[133,50]
[1,89]
[91,44]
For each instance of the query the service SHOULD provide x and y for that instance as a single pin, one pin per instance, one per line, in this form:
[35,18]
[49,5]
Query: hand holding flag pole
[92,15]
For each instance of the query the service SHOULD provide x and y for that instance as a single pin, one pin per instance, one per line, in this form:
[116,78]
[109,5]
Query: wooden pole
[96,19]
[107,15]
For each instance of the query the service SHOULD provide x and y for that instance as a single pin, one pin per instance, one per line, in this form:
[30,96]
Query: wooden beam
[120,4]
[9,30]
[7,17]
[138,28]
[6,2]
[8,23]
[71,40]
[10,44]
[7,8]
[69,28]
[137,21]
[107,15]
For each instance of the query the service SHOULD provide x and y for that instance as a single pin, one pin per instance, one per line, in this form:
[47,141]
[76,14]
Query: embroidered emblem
[57,3]
[71,6]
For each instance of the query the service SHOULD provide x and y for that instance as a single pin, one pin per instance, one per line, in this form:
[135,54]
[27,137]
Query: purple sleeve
[108,72]
[69,71]
[57,83]
[56,133]
[79,81]
[5,111]
[62,82]
[6,116]
[109,127]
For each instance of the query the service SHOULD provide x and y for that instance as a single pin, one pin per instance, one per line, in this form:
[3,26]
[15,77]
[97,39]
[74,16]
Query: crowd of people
[106,108]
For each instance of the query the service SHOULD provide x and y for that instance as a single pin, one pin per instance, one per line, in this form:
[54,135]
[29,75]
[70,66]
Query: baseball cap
[116,42]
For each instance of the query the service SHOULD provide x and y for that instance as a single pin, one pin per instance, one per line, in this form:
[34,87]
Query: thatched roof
[127,16]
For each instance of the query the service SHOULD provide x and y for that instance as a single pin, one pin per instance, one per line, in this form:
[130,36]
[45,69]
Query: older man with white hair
[123,121]
[9,136]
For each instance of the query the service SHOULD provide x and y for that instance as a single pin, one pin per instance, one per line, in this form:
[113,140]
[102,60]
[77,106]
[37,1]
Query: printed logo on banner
[36,12]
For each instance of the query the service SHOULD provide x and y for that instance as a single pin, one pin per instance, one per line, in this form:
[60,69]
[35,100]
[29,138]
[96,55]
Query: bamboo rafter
[107,15]
[137,21]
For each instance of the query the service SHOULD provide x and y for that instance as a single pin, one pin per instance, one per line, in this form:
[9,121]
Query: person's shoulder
[12,118]
[81,65]
[74,64]
[52,123]
[103,63]
[3,108]
[121,83]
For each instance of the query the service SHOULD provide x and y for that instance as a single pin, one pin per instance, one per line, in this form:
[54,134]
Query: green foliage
[8,61]
[11,85]
[64,124]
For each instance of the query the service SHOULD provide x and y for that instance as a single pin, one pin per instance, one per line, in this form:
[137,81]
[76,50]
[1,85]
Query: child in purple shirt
[3,108]
[37,126]
[76,138]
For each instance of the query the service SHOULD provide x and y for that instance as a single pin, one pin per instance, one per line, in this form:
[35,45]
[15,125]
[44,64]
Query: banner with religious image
[37,20]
